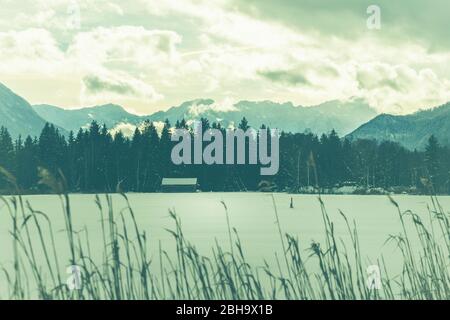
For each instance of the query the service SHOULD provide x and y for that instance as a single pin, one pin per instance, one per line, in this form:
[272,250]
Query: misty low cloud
[226,105]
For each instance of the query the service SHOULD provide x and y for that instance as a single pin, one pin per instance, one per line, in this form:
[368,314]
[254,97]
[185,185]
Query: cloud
[119,86]
[116,8]
[96,85]
[220,21]
[31,50]
[153,54]
[226,105]
[126,44]
[127,129]
[291,77]
[57,15]
[107,61]
[415,20]
[400,88]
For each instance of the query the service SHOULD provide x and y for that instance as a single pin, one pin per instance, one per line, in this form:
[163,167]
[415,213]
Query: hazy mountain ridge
[344,117]
[73,120]
[411,131]
[341,116]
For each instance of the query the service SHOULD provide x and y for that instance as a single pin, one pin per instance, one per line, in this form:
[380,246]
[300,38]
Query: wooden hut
[179,185]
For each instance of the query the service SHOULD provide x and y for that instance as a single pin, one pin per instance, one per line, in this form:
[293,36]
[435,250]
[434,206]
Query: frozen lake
[203,221]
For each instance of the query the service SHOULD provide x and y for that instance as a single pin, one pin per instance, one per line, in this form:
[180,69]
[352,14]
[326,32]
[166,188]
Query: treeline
[95,160]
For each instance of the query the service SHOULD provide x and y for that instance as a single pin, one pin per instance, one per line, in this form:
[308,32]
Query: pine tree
[433,161]
[6,156]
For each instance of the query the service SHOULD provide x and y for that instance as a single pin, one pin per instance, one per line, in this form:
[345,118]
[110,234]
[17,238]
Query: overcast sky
[148,55]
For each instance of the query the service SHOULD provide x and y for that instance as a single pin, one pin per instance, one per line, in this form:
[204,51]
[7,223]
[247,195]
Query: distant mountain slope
[17,115]
[109,114]
[344,117]
[412,130]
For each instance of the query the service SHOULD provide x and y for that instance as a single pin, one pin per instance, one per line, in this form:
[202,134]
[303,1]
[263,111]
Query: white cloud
[125,44]
[218,18]
[226,105]
[104,60]
[401,89]
[32,50]
[127,129]
[222,53]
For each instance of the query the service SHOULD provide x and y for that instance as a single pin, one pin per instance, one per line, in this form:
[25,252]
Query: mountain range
[353,118]
[72,120]
[344,117]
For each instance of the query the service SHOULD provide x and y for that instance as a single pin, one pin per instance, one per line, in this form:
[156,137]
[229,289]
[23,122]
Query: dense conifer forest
[95,160]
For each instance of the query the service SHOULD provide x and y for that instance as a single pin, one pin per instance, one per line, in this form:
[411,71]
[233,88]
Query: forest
[96,160]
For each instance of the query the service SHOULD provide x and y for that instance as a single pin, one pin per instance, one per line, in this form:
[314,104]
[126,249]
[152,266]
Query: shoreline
[224,192]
